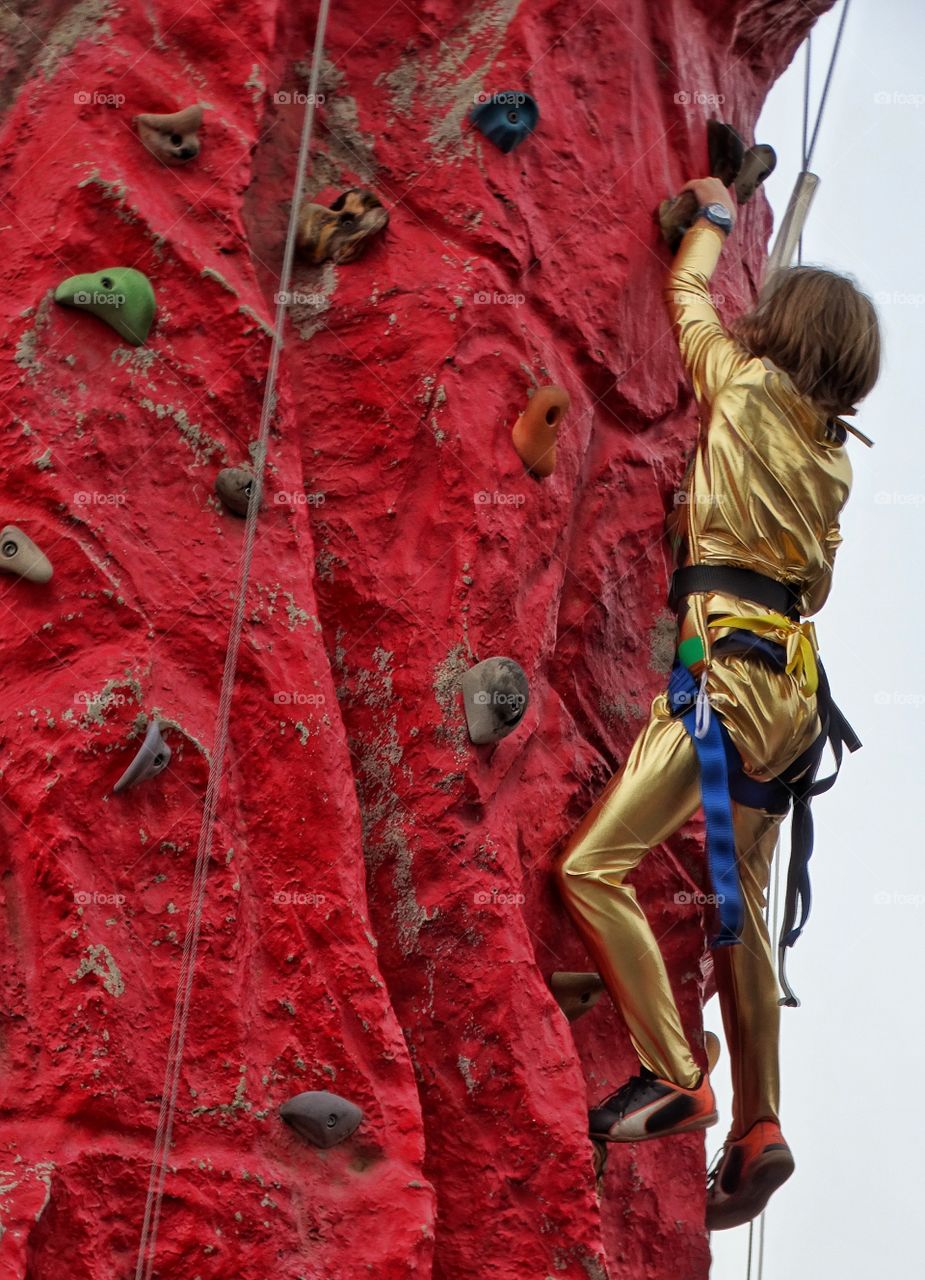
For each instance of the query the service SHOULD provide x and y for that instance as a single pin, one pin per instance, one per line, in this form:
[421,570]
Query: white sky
[853,1054]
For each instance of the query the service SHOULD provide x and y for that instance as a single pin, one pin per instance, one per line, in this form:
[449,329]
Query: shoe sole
[769,1171]
[690,1126]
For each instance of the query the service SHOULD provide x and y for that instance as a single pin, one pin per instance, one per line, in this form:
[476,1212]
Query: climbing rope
[148,1243]
[808,150]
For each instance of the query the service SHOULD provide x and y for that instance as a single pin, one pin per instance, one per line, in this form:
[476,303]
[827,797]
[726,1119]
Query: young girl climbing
[747,712]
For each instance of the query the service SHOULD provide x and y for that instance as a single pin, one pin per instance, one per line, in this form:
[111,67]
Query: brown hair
[819,328]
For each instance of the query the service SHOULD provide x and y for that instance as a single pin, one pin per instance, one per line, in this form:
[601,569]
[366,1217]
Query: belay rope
[147,1245]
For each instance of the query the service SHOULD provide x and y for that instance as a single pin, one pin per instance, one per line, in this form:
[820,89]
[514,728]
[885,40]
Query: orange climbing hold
[536,430]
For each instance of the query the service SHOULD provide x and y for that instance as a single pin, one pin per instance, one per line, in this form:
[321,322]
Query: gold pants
[655,793]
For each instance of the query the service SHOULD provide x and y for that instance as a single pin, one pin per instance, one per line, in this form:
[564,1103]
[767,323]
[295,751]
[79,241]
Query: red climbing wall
[378,918]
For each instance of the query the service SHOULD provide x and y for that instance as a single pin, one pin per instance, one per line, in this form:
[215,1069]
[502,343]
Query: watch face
[719,212]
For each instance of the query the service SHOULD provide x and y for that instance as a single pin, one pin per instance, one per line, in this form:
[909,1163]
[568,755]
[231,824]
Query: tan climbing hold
[713,1048]
[234,485]
[20,556]
[536,430]
[341,232]
[172,138]
[576,993]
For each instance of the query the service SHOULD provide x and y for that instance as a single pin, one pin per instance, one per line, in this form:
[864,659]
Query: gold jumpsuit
[764,491]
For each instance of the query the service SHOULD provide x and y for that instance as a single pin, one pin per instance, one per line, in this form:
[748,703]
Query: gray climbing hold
[495,696]
[172,138]
[152,758]
[121,296]
[234,486]
[576,993]
[324,1119]
[20,556]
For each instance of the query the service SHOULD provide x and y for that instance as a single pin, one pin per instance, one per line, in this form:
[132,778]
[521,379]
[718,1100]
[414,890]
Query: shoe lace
[619,1102]
[715,1166]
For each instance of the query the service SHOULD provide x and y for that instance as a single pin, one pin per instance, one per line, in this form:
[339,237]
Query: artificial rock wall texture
[379,919]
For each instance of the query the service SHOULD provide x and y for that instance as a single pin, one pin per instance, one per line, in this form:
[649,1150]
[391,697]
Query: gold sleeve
[710,356]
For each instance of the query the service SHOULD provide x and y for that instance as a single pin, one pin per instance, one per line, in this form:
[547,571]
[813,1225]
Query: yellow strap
[799,637]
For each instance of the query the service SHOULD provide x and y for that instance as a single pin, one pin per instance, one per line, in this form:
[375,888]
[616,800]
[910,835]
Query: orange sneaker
[649,1107]
[749,1171]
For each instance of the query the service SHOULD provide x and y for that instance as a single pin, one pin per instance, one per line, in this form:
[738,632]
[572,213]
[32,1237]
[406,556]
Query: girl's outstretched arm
[710,356]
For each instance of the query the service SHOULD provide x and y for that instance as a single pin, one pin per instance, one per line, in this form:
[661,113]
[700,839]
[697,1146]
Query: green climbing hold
[121,296]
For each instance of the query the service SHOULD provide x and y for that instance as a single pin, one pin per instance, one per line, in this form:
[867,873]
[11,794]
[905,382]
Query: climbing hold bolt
[172,138]
[576,993]
[323,1118]
[20,556]
[121,296]
[536,430]
[507,118]
[234,485]
[341,232]
[495,696]
[759,162]
[726,151]
[152,757]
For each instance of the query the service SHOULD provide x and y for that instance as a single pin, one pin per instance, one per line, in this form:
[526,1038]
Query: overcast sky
[853,1054]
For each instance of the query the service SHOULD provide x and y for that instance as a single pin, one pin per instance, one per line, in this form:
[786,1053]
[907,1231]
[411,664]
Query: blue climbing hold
[507,118]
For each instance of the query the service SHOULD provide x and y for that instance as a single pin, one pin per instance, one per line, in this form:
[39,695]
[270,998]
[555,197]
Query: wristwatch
[718,214]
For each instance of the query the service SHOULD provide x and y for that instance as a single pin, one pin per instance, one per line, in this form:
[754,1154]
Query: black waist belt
[732,581]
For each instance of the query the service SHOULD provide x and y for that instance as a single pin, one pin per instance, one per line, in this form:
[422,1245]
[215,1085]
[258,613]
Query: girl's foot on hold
[649,1107]
[749,1171]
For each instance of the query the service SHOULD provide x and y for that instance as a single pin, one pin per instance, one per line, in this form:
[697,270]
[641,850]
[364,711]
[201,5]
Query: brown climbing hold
[234,485]
[759,162]
[341,232]
[20,556]
[536,430]
[726,151]
[172,138]
[712,1046]
[576,993]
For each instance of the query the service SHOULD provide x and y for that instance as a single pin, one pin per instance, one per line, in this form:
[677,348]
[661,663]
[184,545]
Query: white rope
[147,1245]
[808,150]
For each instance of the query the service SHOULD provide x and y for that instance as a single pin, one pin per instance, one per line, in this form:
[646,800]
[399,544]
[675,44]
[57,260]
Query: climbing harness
[148,1243]
[722,775]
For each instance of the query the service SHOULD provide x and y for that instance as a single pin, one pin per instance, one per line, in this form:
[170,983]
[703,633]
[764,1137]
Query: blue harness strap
[723,779]
[711,751]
